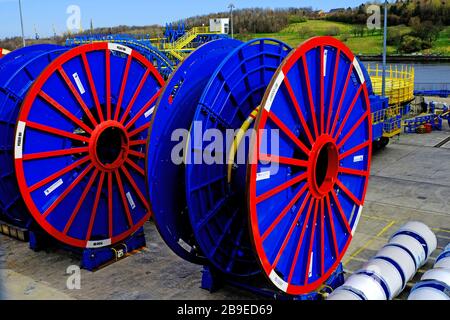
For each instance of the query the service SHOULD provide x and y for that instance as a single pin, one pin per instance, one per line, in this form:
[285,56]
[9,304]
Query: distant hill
[271,21]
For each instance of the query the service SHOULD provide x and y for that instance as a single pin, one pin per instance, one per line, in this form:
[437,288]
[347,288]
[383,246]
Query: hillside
[368,44]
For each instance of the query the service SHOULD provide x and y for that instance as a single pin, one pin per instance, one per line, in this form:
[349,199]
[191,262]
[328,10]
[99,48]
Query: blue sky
[45,13]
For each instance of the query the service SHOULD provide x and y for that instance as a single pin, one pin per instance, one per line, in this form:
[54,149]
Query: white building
[221,25]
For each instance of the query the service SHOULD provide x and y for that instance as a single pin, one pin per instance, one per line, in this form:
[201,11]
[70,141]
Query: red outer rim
[23,114]
[260,123]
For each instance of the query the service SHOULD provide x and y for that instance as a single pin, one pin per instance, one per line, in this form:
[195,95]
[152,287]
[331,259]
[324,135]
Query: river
[428,76]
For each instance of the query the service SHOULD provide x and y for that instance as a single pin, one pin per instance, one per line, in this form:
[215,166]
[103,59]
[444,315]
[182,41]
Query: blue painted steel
[18,70]
[217,209]
[94,258]
[175,110]
[141,44]
[213,280]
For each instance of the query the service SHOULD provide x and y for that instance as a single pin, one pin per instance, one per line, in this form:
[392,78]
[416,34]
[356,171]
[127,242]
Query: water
[428,76]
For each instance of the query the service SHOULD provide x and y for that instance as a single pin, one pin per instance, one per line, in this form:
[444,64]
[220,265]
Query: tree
[410,44]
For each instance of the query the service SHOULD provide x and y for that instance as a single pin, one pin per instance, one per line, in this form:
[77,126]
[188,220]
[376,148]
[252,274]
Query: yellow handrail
[399,82]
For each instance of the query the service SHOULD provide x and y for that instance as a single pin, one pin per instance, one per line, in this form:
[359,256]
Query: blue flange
[18,70]
[217,208]
[306,193]
[79,144]
[175,110]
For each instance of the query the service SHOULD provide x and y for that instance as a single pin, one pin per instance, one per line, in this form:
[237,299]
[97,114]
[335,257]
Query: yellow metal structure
[399,82]
[180,48]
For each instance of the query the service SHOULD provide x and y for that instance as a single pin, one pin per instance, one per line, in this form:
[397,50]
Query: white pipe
[430,290]
[442,275]
[443,263]
[422,233]
[435,283]
[386,275]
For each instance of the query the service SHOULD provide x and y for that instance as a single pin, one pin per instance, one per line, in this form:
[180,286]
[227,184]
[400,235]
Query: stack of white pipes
[435,283]
[386,275]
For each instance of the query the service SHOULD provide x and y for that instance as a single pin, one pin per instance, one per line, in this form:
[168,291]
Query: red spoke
[322,93]
[77,96]
[354,172]
[311,242]
[92,85]
[349,111]
[56,153]
[286,210]
[310,96]
[57,132]
[110,203]
[122,89]
[80,202]
[139,130]
[108,84]
[95,206]
[355,149]
[143,110]
[291,231]
[68,190]
[341,212]
[341,100]
[283,160]
[348,192]
[331,221]
[288,132]
[135,167]
[352,130]
[305,125]
[322,236]
[280,188]
[135,187]
[333,89]
[124,199]
[138,142]
[300,241]
[135,96]
[64,111]
[136,154]
[58,174]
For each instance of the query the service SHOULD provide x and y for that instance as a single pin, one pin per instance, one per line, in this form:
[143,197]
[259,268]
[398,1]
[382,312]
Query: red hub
[109,145]
[323,166]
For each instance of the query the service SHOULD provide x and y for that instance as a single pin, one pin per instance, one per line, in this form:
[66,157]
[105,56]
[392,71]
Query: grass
[296,33]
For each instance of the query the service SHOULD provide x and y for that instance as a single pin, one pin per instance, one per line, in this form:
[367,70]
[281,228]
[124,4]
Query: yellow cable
[238,139]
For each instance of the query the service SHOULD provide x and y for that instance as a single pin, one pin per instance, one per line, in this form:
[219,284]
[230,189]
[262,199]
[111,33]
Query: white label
[276,280]
[358,158]
[98,243]
[149,112]
[310,265]
[19,139]
[78,82]
[325,58]
[357,220]
[359,71]
[131,201]
[184,245]
[263,175]
[274,91]
[53,187]
[120,48]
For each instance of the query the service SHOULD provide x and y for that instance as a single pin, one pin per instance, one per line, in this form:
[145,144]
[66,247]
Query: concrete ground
[410,181]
